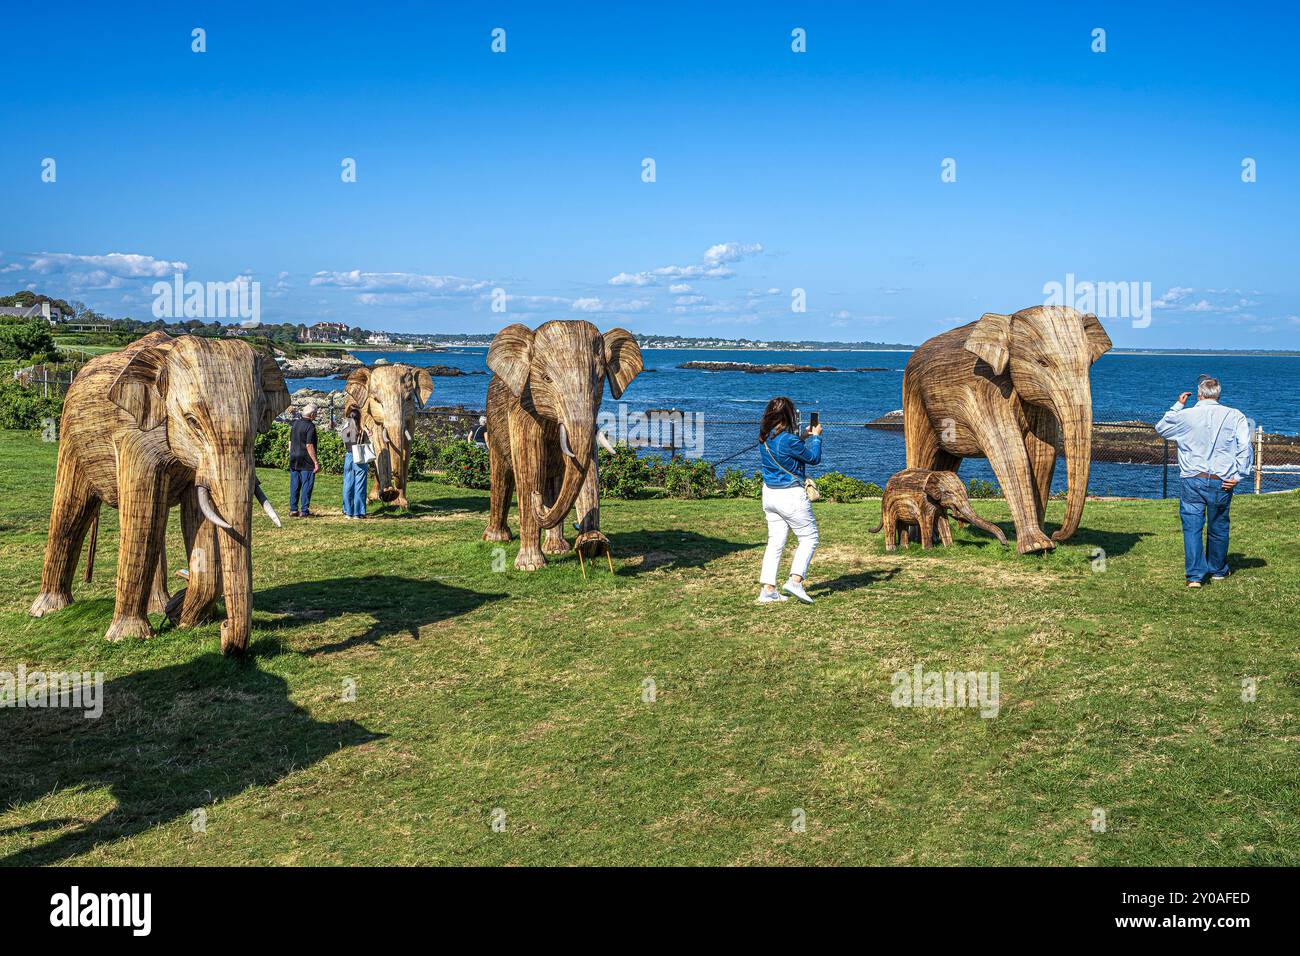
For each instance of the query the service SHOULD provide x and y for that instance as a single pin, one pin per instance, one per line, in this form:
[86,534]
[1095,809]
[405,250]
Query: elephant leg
[925,523]
[553,540]
[194,604]
[159,597]
[891,529]
[945,531]
[1004,445]
[502,483]
[75,507]
[142,495]
[1042,455]
[528,452]
[372,472]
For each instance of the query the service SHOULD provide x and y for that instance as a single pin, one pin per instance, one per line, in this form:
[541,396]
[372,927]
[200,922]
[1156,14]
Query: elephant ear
[622,360]
[1098,341]
[140,389]
[511,356]
[934,487]
[423,385]
[990,340]
[275,394]
[357,389]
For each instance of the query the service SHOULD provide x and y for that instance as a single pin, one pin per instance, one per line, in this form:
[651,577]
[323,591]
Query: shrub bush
[979,488]
[836,486]
[736,484]
[689,478]
[25,408]
[27,341]
[465,464]
[623,474]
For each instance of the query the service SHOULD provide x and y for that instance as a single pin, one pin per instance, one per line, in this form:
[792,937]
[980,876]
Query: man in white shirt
[1213,455]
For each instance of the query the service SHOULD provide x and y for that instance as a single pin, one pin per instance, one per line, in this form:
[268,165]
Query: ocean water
[1124,388]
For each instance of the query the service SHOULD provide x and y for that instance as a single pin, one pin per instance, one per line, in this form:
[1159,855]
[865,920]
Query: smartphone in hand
[814,418]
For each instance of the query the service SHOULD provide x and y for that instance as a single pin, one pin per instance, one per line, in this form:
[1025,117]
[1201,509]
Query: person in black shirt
[303,463]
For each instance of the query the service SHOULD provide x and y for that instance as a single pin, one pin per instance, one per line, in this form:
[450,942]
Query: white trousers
[786,510]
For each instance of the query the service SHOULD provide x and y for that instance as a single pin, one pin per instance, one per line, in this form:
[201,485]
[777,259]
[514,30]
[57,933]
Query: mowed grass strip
[402,694]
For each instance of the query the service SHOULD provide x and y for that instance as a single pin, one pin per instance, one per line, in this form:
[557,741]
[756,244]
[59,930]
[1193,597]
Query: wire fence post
[1164,480]
[1259,456]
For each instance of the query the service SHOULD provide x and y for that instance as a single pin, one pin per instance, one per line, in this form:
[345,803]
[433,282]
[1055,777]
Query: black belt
[1206,474]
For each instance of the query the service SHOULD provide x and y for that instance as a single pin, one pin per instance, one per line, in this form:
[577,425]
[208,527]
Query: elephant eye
[546,378]
[192,422]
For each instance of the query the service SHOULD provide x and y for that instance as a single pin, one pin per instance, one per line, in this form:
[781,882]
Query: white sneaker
[796,589]
[771,597]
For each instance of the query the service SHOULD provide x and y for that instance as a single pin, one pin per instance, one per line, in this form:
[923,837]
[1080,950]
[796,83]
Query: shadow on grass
[667,549]
[433,506]
[170,741]
[851,582]
[1239,562]
[1112,542]
[398,605]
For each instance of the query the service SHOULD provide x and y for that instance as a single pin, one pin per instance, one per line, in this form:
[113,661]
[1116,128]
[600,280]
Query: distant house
[34,312]
[379,338]
[323,332]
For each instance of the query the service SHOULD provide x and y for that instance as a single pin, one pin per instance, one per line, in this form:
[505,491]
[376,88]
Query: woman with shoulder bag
[356,463]
[788,494]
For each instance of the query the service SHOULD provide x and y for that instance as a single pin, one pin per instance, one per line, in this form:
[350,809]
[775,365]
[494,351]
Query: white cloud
[399,282]
[77,273]
[593,304]
[713,267]
[677,287]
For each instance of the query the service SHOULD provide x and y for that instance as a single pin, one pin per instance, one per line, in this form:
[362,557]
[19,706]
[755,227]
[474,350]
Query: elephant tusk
[408,436]
[266,504]
[603,440]
[209,510]
[564,443]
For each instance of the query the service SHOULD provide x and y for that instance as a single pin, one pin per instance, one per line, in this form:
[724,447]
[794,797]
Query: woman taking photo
[355,473]
[784,455]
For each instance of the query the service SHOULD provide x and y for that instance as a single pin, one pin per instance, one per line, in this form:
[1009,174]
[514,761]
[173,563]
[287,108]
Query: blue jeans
[1202,503]
[354,486]
[300,484]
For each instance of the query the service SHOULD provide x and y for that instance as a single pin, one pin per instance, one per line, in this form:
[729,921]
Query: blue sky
[775,170]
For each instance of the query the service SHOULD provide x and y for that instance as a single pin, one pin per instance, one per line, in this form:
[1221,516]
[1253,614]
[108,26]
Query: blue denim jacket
[792,454]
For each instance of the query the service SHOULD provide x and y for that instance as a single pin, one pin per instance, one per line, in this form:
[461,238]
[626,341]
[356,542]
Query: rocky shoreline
[756,368]
[341,366]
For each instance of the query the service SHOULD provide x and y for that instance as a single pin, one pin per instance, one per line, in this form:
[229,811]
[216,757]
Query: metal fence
[50,380]
[1129,459]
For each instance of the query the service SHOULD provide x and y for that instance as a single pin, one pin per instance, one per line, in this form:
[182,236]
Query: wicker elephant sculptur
[1009,388]
[542,404]
[388,397]
[163,422]
[923,499]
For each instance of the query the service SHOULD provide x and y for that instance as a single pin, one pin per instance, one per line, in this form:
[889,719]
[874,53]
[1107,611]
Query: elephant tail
[877,528]
[90,550]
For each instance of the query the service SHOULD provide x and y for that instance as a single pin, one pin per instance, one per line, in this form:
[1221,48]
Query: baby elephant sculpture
[163,422]
[542,403]
[918,497]
[389,396]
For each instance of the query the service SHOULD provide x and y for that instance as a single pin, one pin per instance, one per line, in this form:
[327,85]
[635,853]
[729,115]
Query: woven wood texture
[918,502]
[542,403]
[389,397]
[1001,388]
[164,422]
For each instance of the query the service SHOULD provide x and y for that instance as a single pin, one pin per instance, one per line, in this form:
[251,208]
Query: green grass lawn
[478,690]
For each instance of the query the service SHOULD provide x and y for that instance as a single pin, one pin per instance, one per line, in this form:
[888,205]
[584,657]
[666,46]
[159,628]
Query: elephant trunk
[966,514]
[234,501]
[390,466]
[1076,427]
[576,462]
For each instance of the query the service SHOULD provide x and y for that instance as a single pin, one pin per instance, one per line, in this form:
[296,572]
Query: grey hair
[309,410]
[1209,388]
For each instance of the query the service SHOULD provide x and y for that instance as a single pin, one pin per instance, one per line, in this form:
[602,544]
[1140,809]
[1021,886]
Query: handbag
[809,486]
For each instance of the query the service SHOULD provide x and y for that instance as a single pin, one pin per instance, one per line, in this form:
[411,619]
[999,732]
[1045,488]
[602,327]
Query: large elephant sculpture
[542,405]
[389,396]
[1008,388]
[162,422]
